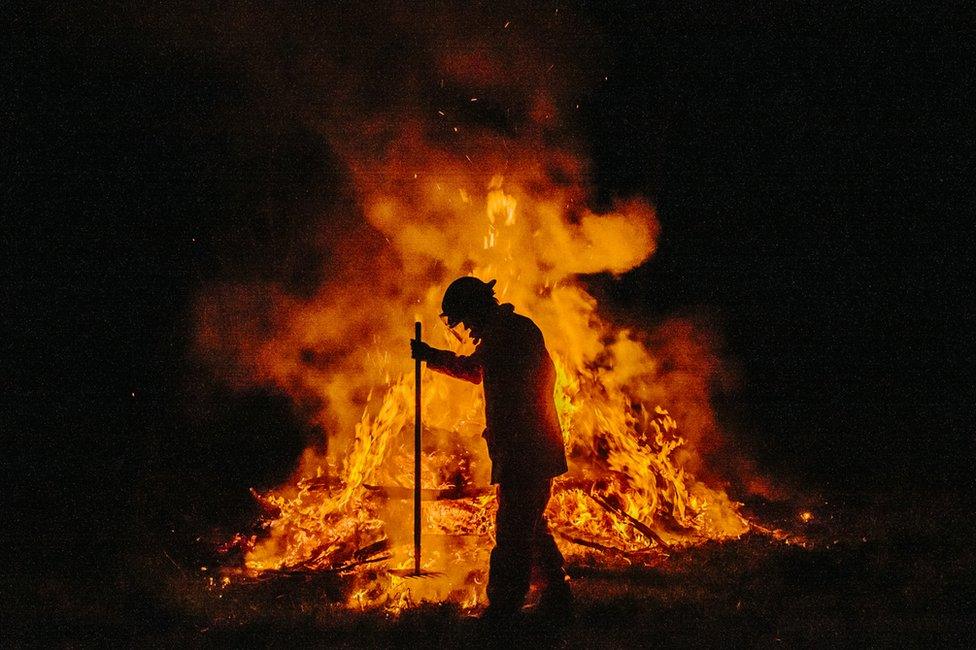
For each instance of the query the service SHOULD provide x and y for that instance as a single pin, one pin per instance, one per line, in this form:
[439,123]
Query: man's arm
[467,368]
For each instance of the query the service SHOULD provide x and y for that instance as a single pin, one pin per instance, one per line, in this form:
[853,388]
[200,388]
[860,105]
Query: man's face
[475,326]
[473,322]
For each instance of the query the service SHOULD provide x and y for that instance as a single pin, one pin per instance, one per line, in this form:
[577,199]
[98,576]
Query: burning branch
[638,525]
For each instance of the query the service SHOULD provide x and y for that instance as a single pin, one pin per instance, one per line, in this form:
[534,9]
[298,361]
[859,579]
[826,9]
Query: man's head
[470,301]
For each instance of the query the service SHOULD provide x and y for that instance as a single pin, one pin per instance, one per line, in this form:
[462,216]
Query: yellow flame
[632,485]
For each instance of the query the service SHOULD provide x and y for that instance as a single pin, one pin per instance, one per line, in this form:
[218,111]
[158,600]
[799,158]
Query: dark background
[811,177]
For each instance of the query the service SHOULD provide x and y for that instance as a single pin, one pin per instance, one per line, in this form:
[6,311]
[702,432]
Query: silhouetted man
[524,439]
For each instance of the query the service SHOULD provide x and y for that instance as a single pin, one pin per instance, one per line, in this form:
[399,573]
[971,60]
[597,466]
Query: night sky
[811,174]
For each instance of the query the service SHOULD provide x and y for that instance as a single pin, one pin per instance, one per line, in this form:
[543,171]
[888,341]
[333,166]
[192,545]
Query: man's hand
[420,350]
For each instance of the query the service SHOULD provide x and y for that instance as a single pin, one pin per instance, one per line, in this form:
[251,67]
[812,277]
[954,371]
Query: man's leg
[511,559]
[550,562]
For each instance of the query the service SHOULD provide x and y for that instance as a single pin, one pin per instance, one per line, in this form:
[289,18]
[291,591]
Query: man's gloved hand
[420,350]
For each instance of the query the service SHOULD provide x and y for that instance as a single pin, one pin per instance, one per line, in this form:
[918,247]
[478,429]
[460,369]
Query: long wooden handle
[416,458]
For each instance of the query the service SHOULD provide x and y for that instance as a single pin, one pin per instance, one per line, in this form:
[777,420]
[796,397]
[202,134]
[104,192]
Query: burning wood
[450,494]
[608,550]
[639,525]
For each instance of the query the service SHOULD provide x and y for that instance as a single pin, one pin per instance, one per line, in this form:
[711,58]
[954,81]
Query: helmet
[464,296]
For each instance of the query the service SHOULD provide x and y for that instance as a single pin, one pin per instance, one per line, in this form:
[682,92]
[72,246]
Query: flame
[519,215]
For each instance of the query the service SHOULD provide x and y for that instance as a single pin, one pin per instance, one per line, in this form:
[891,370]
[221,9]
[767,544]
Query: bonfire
[636,485]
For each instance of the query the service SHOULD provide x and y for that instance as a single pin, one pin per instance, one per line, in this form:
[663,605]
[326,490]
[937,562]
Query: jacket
[525,442]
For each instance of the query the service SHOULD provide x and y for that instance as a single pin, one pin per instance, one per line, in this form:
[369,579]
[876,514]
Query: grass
[869,575]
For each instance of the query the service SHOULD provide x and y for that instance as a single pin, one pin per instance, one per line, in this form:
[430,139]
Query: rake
[417,572]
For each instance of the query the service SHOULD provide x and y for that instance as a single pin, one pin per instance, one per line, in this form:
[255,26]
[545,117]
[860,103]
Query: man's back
[523,433]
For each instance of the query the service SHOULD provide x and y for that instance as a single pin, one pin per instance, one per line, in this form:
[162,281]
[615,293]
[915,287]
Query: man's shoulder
[522,326]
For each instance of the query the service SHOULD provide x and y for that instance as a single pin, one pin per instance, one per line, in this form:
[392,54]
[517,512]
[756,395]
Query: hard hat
[464,296]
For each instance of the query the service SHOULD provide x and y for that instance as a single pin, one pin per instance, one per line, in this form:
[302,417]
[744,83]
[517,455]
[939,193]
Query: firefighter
[524,440]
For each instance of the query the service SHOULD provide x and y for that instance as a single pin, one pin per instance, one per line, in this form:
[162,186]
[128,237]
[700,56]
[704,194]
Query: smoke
[443,129]
[309,98]
[448,144]
[431,143]
[332,107]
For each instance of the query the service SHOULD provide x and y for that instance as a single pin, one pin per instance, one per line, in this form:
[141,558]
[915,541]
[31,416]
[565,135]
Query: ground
[879,573]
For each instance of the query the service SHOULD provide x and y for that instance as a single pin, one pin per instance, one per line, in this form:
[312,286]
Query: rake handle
[416,458]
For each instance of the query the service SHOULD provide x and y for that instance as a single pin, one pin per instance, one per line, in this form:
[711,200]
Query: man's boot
[556,601]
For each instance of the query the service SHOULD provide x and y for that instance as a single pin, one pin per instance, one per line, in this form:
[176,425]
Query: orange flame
[633,486]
